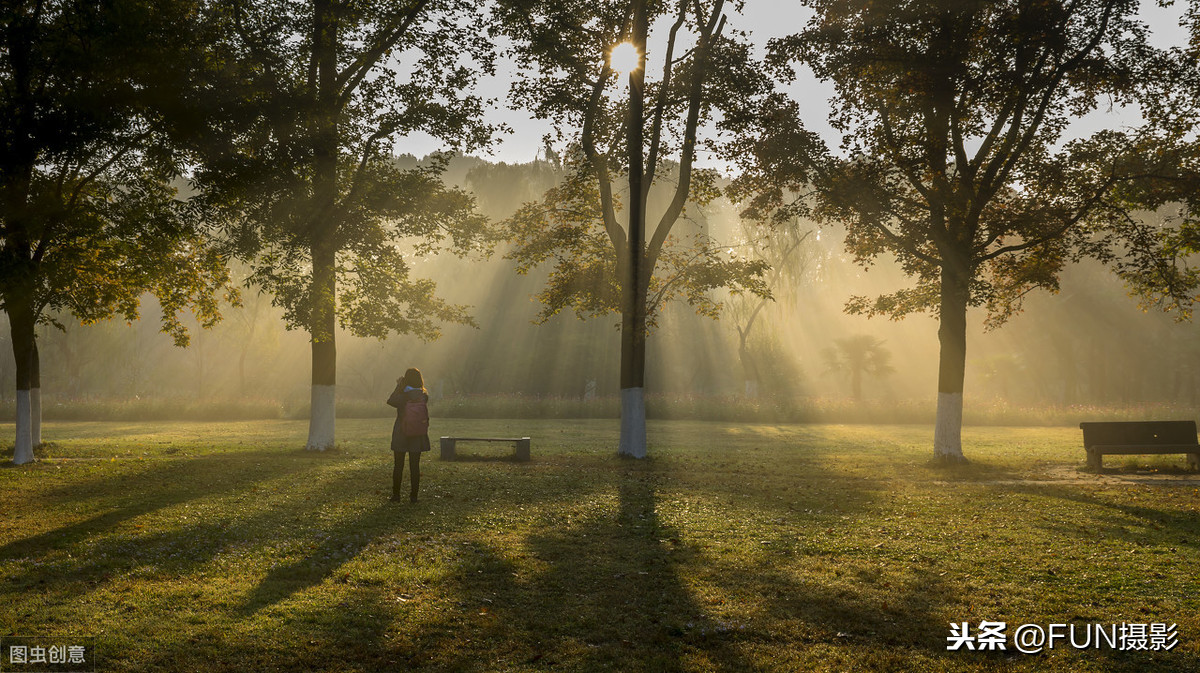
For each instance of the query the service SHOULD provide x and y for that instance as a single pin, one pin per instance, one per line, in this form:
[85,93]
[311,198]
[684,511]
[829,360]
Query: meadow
[189,546]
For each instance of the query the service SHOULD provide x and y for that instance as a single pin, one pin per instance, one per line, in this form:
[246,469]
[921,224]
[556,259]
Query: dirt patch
[1071,475]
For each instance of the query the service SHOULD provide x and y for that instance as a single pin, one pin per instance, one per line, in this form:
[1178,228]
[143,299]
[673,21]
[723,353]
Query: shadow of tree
[612,591]
[340,541]
[587,563]
[154,488]
[1161,525]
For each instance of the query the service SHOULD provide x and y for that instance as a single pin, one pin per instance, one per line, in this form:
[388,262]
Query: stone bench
[449,446]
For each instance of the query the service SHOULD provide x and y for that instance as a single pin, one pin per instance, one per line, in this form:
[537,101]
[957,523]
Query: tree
[1166,276]
[88,218]
[858,355]
[953,114]
[299,162]
[601,266]
[782,248]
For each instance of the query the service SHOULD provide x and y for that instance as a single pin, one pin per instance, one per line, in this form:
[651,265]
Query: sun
[624,58]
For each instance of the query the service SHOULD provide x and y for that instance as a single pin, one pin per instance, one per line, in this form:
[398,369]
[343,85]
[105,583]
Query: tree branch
[599,165]
[661,105]
[708,35]
[349,80]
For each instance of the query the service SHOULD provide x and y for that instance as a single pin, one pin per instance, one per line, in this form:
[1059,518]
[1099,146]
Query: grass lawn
[222,547]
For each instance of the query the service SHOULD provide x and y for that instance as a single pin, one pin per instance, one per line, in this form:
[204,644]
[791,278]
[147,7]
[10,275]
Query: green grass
[223,547]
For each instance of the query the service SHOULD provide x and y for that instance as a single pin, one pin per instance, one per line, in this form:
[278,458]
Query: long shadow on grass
[67,563]
[302,534]
[334,544]
[1115,595]
[153,489]
[605,596]
[311,636]
[1167,528]
[337,546]
[618,591]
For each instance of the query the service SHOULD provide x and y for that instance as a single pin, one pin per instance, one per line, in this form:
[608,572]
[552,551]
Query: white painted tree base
[321,419]
[633,423]
[35,415]
[947,434]
[23,451]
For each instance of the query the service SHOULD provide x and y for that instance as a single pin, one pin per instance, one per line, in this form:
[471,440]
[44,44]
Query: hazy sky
[763,20]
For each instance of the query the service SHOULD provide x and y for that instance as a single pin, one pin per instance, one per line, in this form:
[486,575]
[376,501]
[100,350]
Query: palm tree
[857,355]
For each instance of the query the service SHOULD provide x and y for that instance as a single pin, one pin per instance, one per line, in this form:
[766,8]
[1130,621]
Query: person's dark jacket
[399,398]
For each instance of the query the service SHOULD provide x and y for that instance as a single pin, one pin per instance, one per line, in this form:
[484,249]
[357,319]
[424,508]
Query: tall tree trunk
[20,317]
[17,163]
[324,354]
[750,372]
[856,377]
[749,367]
[324,253]
[633,377]
[633,317]
[242,371]
[952,363]
[35,394]
[199,367]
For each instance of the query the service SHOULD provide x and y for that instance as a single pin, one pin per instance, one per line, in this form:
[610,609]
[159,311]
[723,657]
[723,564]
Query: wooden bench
[1140,437]
[520,446]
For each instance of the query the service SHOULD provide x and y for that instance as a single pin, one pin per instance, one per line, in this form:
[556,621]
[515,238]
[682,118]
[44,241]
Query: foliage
[562,49]
[91,217]
[858,355]
[298,156]
[953,117]
[1164,274]
[953,114]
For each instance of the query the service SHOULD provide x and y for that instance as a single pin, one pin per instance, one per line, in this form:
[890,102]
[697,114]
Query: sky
[763,20]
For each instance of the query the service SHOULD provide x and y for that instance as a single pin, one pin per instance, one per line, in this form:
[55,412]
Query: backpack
[415,421]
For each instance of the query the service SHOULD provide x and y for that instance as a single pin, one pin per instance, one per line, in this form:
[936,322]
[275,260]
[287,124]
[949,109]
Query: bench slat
[1140,437]
[487,439]
[1149,448]
[1131,433]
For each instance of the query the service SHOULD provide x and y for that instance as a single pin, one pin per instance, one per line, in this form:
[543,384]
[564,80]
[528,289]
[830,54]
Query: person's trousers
[414,462]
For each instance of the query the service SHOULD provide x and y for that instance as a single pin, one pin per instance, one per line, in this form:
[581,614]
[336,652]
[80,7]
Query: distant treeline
[727,409]
[1089,344]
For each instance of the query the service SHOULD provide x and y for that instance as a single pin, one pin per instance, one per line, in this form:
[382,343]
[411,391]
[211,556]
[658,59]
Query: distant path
[1060,475]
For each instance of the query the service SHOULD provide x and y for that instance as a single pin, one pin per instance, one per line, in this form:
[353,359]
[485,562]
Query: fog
[1089,344]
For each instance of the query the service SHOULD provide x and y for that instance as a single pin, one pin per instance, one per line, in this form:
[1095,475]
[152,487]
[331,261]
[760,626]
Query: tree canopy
[954,117]
[89,216]
[649,134]
[577,226]
[313,97]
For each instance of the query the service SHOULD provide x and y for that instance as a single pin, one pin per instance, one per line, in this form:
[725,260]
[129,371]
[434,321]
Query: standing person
[410,434]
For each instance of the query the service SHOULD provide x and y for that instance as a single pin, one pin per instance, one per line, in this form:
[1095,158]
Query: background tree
[651,136]
[782,248]
[300,162]
[856,356]
[88,219]
[953,115]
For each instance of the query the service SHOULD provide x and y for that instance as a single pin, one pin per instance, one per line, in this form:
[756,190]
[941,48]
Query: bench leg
[1094,459]
[447,446]
[522,446]
[1194,461]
